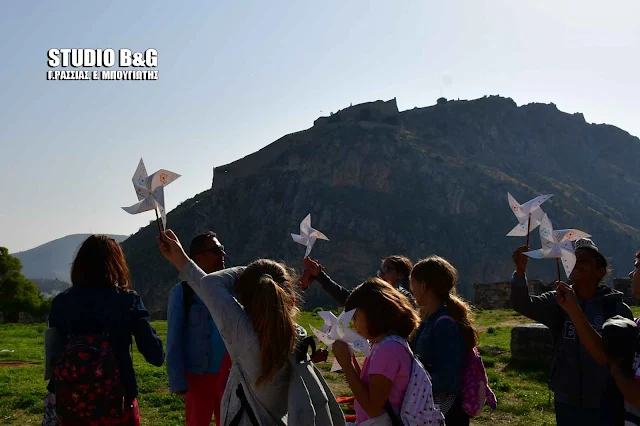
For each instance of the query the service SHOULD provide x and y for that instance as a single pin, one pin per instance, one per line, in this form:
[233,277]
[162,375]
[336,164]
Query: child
[254,308]
[100,311]
[381,311]
[445,334]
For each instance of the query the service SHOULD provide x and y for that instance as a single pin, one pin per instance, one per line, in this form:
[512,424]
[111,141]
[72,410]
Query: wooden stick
[558,266]
[528,229]
[158,221]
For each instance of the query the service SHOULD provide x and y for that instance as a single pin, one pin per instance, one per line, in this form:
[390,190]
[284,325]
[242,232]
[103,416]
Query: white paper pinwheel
[150,191]
[308,235]
[338,329]
[523,212]
[557,244]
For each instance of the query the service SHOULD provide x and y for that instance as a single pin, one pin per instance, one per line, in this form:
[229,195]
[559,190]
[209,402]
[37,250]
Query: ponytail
[460,311]
[267,295]
[442,277]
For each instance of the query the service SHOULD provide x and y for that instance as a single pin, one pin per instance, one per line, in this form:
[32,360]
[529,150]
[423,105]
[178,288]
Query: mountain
[425,181]
[50,288]
[52,261]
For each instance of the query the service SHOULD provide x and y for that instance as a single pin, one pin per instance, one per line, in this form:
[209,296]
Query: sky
[236,76]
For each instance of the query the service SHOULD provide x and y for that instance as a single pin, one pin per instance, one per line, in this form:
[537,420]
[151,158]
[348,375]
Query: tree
[17,294]
[442,101]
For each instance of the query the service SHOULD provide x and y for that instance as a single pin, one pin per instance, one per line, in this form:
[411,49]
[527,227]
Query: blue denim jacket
[440,347]
[194,344]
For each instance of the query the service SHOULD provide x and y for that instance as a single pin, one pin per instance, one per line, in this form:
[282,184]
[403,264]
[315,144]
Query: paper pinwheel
[308,235]
[150,191]
[557,244]
[338,329]
[530,209]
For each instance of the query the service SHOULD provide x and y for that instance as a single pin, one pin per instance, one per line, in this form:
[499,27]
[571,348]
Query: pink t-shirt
[393,362]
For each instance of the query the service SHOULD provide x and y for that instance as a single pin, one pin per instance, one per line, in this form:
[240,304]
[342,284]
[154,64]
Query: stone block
[532,343]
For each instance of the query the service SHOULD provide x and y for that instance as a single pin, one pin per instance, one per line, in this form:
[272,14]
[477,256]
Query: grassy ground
[523,398]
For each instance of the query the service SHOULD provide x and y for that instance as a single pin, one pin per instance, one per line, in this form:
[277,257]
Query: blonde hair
[440,276]
[266,291]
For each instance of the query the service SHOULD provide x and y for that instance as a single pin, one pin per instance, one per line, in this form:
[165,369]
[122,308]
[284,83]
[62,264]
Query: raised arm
[541,308]
[216,291]
[335,290]
[590,339]
[629,387]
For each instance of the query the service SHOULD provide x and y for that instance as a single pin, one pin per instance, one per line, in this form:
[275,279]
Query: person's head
[433,281]
[635,276]
[207,252]
[381,310]
[591,265]
[395,268]
[100,263]
[267,292]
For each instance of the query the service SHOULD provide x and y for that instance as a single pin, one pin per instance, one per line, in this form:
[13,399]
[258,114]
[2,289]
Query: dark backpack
[88,384]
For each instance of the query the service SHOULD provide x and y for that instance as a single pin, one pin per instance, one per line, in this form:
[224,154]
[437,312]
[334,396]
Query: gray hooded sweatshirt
[268,401]
[576,378]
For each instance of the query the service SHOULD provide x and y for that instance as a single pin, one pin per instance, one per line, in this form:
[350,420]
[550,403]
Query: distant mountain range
[431,180]
[49,265]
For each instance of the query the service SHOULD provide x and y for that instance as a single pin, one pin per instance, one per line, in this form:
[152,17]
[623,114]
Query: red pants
[205,394]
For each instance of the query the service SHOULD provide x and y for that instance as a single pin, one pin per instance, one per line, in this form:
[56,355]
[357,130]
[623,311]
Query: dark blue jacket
[122,314]
[440,347]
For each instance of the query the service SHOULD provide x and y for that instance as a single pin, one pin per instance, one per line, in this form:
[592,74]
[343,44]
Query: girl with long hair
[100,307]
[381,312]
[445,334]
[254,307]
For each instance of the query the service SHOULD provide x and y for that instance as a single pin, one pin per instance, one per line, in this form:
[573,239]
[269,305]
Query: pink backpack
[474,383]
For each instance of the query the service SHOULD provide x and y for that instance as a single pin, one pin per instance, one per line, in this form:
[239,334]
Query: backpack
[474,384]
[311,401]
[88,384]
[417,406]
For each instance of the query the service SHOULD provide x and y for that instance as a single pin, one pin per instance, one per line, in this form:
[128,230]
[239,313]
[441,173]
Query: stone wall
[532,343]
[373,111]
[497,295]
[25,318]
[624,285]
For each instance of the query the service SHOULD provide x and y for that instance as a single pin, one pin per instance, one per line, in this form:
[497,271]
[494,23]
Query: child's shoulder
[390,352]
[392,346]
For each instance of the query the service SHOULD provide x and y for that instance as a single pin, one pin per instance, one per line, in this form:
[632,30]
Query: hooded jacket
[576,378]
[271,401]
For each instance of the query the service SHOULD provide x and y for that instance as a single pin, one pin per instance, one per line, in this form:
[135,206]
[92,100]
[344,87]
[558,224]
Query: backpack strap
[187,298]
[609,308]
[244,407]
[395,421]
[302,348]
[447,317]
[396,339]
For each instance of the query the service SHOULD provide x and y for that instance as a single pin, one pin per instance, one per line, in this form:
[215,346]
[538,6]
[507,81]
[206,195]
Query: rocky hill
[428,180]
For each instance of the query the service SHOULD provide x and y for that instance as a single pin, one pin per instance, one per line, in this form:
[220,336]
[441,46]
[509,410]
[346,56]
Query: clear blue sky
[235,76]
